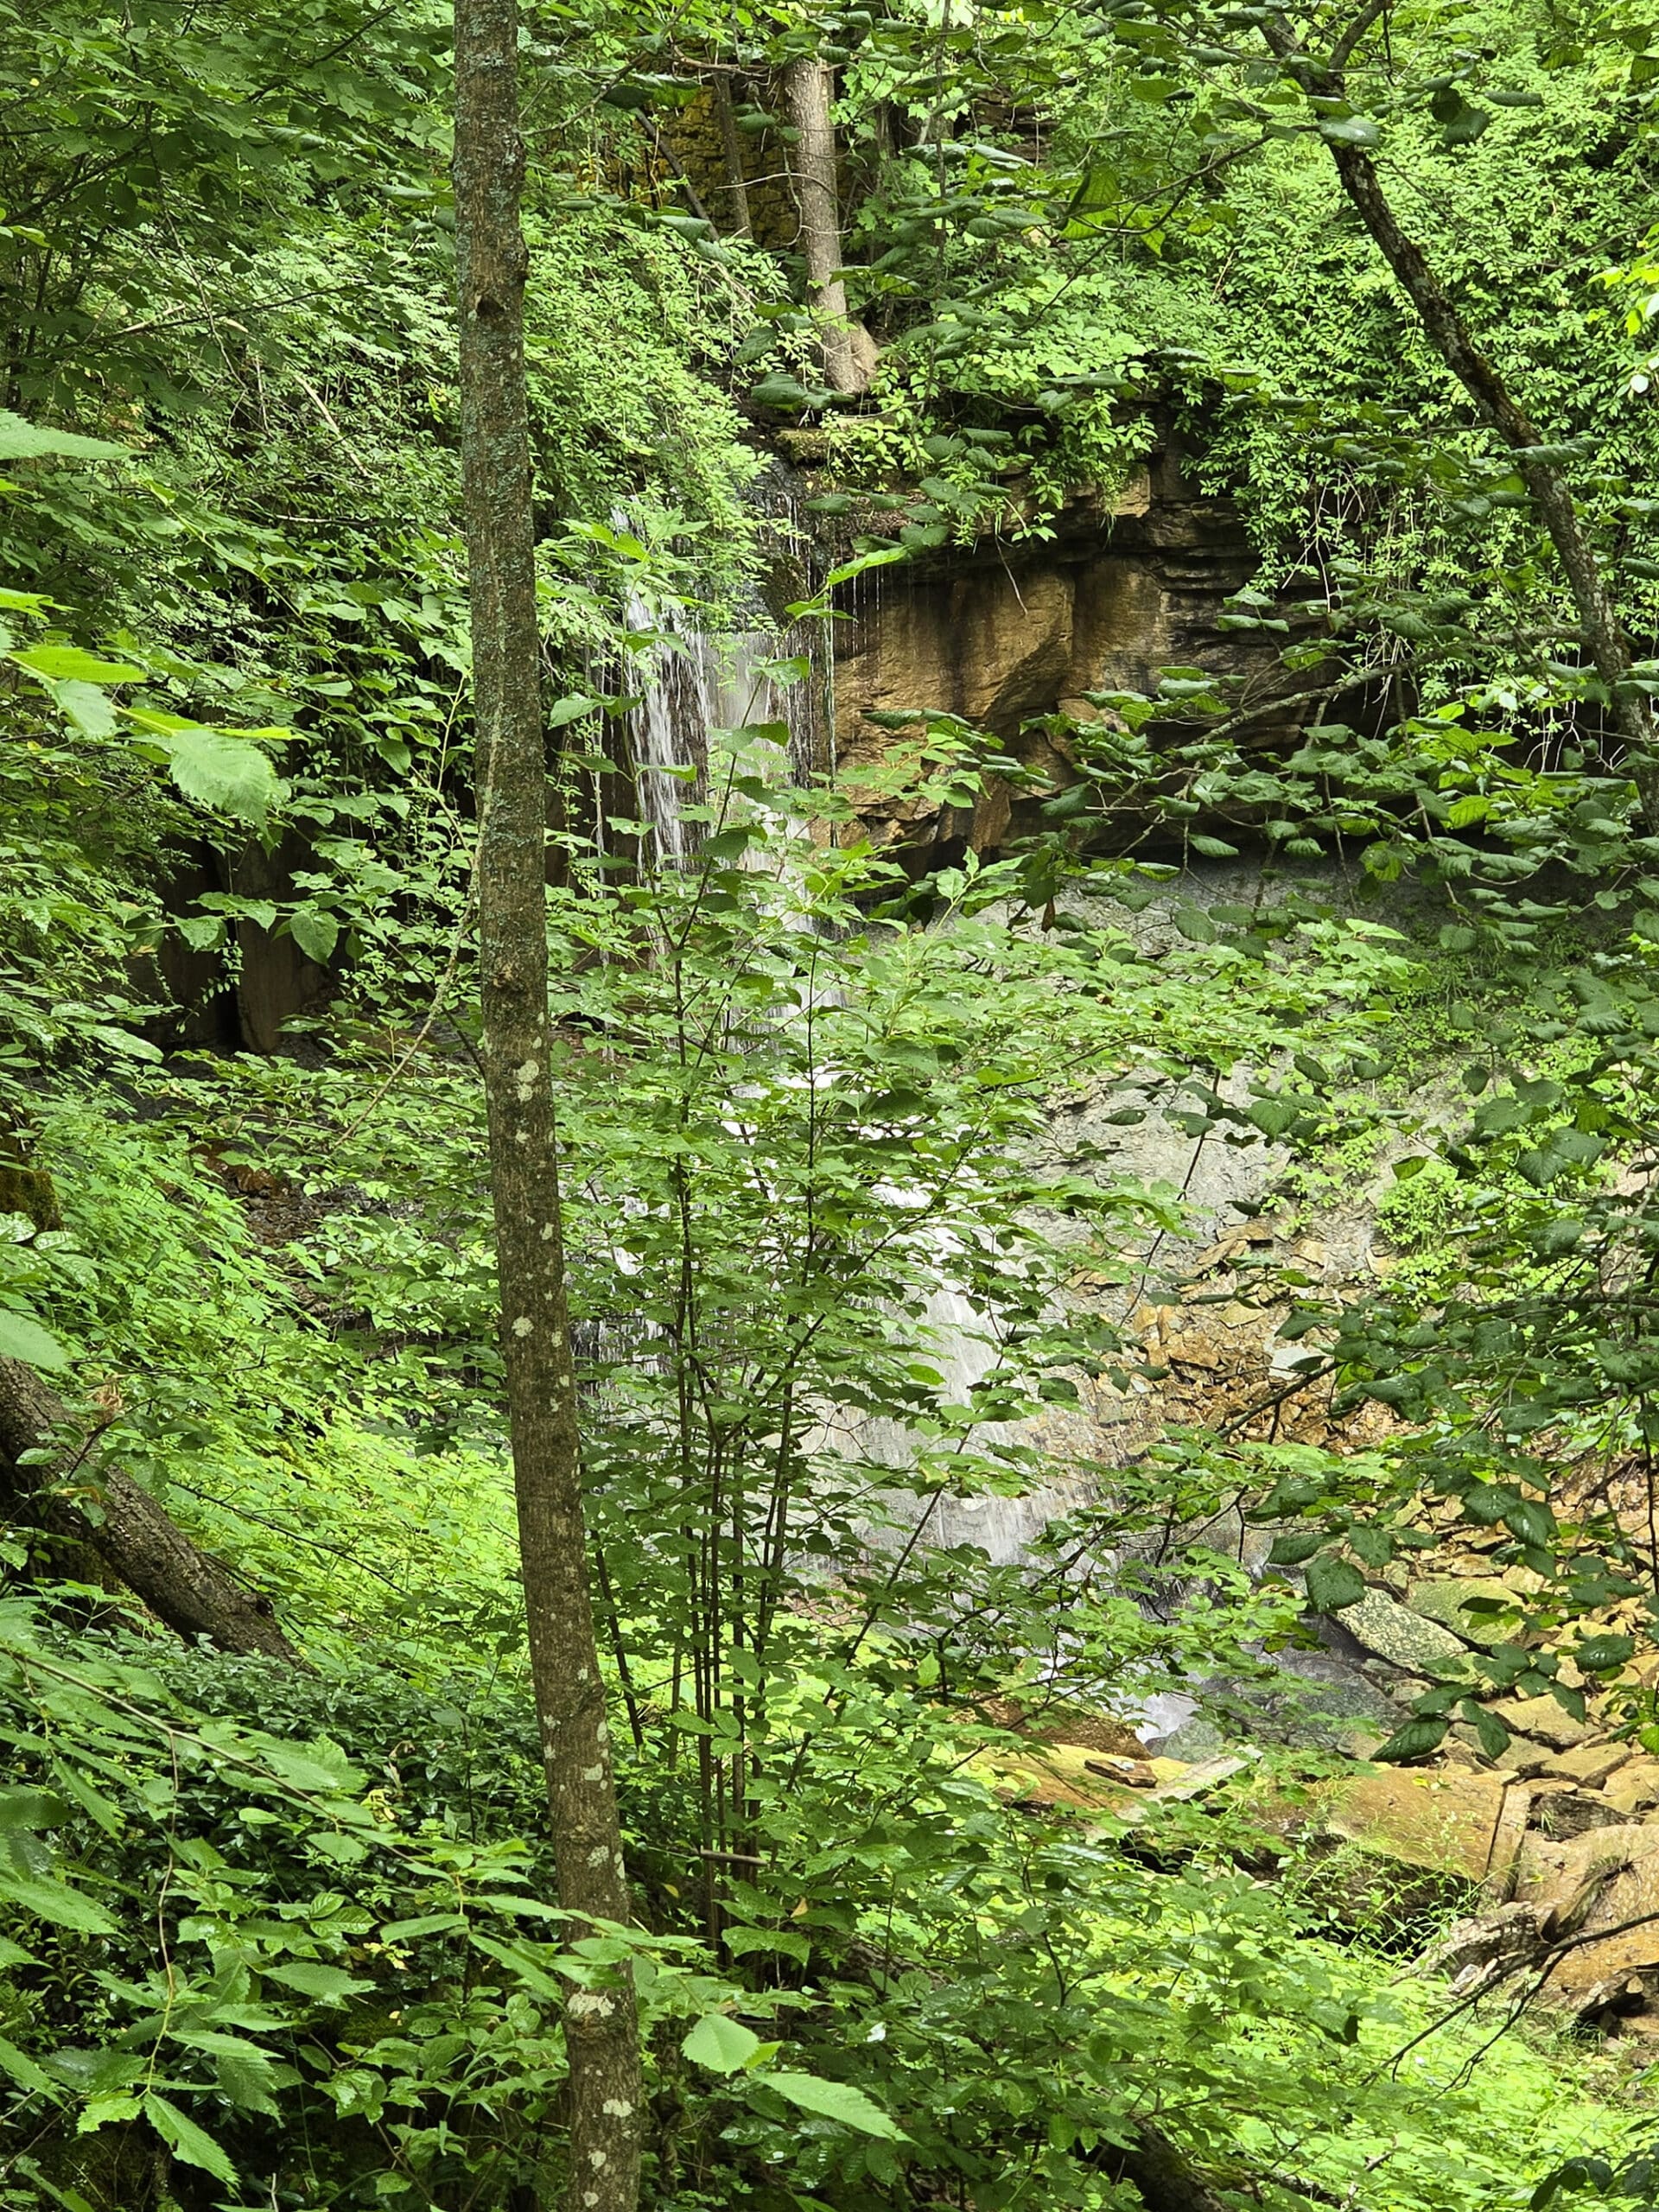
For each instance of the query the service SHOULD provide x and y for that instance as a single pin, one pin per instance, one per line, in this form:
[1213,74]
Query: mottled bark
[807,86]
[1166,2178]
[1444,327]
[101,1517]
[601,2028]
[731,143]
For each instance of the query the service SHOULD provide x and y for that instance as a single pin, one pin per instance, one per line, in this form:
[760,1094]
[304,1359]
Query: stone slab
[1588,1765]
[1443,1818]
[1543,1718]
[1634,1787]
[1562,1878]
[1442,1599]
[1393,1632]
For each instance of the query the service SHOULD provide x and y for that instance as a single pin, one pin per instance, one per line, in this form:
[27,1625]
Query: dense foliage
[844,1299]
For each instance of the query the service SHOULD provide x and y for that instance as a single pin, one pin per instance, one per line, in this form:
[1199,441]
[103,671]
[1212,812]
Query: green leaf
[720,2043]
[1292,1551]
[247,2079]
[25,1339]
[1415,1740]
[22,441]
[57,663]
[316,932]
[1273,1116]
[330,1985]
[1493,1734]
[1332,1584]
[220,769]
[780,390]
[87,706]
[110,2109]
[25,2073]
[789,1942]
[1350,130]
[1597,1654]
[29,1810]
[127,1041]
[54,1901]
[1531,1519]
[833,2100]
[187,2141]
[429,1923]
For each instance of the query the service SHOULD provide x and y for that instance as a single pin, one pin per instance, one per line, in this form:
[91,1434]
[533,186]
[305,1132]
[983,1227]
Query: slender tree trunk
[731,141]
[808,86]
[1448,333]
[601,2026]
[122,1529]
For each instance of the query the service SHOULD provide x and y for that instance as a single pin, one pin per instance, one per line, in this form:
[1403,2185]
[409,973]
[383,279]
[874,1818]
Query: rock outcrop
[1005,631]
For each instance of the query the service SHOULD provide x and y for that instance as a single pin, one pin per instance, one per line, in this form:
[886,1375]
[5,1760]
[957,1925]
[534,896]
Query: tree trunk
[1450,336]
[731,142]
[602,2024]
[1167,2180]
[127,1532]
[807,88]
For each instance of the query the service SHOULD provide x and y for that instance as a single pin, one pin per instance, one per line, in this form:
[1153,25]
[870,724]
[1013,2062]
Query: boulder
[1444,1818]
[1544,1719]
[1443,1601]
[1588,1765]
[1560,1811]
[1405,1639]
[1484,1949]
[1635,1787]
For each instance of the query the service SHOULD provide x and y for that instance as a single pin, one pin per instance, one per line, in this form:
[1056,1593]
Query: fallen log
[126,1531]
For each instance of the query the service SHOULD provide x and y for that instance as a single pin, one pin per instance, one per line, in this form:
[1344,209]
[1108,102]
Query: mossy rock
[31,1191]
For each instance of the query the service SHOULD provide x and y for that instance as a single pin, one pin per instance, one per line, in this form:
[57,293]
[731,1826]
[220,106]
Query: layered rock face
[1004,631]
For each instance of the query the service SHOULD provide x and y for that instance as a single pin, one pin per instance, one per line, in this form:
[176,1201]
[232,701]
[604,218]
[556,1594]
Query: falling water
[694,681]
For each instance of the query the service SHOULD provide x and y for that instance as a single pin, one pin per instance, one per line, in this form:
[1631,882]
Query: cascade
[695,681]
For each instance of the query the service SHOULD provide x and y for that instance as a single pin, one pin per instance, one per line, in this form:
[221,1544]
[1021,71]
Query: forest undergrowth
[810,292]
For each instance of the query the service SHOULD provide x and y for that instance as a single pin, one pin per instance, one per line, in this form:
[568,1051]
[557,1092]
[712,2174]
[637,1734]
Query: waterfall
[694,681]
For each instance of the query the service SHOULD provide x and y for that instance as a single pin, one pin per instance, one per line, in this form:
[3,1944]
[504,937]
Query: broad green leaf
[24,2072]
[1598,1653]
[1273,1116]
[29,1809]
[833,2100]
[221,769]
[187,2141]
[789,1942]
[720,2043]
[320,1766]
[87,706]
[1292,1551]
[430,1924]
[1332,1584]
[127,1041]
[108,2109]
[329,1985]
[54,1901]
[1350,130]
[1493,1734]
[1414,1740]
[316,932]
[25,1339]
[22,441]
[247,2078]
[61,663]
